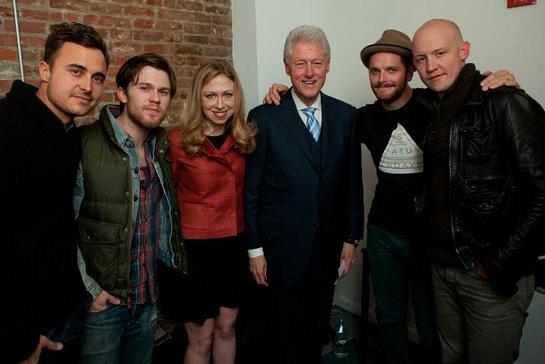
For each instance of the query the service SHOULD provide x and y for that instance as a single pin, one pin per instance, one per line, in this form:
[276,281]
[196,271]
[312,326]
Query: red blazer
[209,189]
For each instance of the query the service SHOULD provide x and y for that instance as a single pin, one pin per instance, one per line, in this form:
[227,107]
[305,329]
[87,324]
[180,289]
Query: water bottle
[340,344]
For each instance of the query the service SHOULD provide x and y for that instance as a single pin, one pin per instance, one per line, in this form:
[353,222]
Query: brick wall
[186,32]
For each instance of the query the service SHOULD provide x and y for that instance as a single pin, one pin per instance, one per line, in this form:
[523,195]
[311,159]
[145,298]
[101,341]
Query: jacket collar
[210,150]
[25,95]
[108,121]
[466,87]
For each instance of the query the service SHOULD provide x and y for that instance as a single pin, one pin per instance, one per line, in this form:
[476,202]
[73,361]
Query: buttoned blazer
[209,189]
[296,200]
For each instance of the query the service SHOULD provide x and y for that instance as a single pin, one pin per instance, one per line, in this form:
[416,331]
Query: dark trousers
[300,319]
[476,323]
[396,268]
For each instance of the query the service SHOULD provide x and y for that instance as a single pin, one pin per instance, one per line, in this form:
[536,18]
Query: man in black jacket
[39,154]
[485,168]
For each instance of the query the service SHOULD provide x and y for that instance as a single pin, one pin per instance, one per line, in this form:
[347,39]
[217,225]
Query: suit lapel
[328,131]
[296,129]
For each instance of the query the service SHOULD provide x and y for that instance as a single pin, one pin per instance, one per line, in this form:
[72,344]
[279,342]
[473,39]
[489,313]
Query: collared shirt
[300,105]
[144,247]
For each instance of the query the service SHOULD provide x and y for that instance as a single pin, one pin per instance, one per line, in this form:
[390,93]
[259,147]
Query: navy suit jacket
[295,202]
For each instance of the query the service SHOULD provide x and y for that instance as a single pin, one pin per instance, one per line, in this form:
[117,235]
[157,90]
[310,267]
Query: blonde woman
[208,158]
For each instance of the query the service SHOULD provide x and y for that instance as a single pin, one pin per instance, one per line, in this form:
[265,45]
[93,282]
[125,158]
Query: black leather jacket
[497,181]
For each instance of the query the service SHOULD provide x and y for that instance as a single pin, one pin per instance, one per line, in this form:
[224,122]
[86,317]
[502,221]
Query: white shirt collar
[301,105]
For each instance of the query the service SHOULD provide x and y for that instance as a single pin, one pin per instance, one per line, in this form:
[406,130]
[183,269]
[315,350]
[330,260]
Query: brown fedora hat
[392,41]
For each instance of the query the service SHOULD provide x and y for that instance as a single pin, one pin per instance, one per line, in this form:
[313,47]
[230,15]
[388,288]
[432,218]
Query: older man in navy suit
[303,198]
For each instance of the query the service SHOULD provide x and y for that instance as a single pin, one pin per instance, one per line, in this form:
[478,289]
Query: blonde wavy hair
[193,119]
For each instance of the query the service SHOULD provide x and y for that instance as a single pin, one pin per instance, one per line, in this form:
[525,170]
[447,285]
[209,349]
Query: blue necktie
[312,124]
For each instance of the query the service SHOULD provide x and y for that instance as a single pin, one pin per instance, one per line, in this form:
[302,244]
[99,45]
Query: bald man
[485,168]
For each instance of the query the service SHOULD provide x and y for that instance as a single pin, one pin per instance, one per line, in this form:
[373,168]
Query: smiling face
[307,67]
[439,54]
[71,84]
[389,77]
[218,100]
[146,99]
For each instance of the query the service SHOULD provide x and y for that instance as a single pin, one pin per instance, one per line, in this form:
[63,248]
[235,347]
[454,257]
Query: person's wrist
[355,242]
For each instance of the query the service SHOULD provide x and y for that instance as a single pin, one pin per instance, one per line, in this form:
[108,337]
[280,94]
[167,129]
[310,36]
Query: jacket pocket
[486,196]
[99,248]
[196,216]
[476,142]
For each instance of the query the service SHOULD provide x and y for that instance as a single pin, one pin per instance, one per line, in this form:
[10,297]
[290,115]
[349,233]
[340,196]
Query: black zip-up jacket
[39,276]
[497,181]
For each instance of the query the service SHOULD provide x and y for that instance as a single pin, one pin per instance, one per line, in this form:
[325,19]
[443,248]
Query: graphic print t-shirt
[394,139]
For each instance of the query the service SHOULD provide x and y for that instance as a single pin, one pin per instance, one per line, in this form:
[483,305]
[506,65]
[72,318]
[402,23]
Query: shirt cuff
[254,253]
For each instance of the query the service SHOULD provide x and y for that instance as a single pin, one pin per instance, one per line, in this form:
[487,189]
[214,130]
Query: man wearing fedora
[392,130]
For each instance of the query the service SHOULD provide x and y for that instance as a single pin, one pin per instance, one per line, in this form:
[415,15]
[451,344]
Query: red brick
[169,14]
[198,39]
[187,72]
[120,34]
[5,85]
[147,35]
[173,37]
[8,40]
[225,42]
[198,28]
[143,23]
[216,52]
[6,11]
[71,5]
[34,42]
[41,15]
[193,61]
[185,82]
[168,25]
[8,54]
[112,71]
[195,17]
[133,10]
[96,20]
[189,50]
[220,19]
[71,17]
[106,8]
[122,22]
[189,5]
[164,49]
[36,3]
[26,27]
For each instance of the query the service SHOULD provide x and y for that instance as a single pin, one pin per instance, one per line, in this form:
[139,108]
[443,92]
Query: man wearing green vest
[127,218]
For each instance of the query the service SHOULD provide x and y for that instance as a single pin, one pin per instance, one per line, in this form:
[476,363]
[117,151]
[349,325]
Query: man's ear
[410,72]
[121,95]
[44,70]
[286,67]
[464,50]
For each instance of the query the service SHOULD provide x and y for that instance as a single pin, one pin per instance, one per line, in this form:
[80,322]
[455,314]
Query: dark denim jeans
[396,269]
[119,335]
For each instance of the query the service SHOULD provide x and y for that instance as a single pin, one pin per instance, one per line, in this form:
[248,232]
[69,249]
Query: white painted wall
[500,38]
